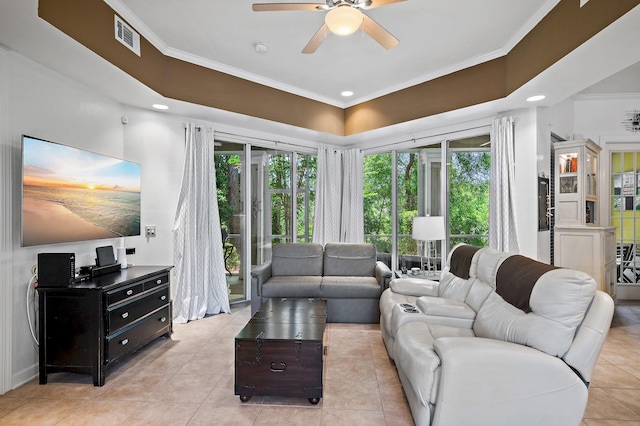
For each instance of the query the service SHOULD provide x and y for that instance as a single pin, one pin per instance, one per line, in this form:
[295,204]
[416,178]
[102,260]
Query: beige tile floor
[188,379]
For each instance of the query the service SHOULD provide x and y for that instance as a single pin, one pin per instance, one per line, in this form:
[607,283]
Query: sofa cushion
[415,356]
[286,286]
[443,307]
[517,292]
[414,286]
[296,259]
[559,300]
[488,262]
[454,287]
[343,259]
[460,260]
[350,288]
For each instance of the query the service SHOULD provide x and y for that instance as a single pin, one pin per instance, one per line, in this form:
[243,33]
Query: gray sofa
[346,275]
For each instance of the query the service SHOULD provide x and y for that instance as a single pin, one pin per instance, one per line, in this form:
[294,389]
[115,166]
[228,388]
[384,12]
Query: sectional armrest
[414,287]
[383,274]
[259,275]
[496,381]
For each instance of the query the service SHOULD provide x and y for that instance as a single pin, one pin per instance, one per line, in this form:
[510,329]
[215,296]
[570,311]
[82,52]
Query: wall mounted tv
[69,194]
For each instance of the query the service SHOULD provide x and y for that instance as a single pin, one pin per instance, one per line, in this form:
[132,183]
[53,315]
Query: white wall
[598,116]
[156,141]
[46,105]
[556,119]
[526,180]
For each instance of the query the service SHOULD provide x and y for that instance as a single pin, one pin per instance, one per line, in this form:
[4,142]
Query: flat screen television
[69,194]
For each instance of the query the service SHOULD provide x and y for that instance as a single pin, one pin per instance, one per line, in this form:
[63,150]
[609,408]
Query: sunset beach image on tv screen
[69,194]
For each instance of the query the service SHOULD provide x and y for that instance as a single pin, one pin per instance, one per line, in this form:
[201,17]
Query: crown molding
[604,96]
[146,32]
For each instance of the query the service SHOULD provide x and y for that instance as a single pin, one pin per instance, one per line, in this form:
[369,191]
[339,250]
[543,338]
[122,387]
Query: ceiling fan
[343,17]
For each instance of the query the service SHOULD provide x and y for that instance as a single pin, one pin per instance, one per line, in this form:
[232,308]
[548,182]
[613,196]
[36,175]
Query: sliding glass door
[277,215]
[230,172]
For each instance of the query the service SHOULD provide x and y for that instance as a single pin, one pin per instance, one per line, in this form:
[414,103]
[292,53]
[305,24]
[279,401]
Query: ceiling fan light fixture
[343,20]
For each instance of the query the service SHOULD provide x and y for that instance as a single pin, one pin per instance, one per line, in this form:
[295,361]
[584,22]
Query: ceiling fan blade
[378,3]
[317,39]
[269,7]
[378,33]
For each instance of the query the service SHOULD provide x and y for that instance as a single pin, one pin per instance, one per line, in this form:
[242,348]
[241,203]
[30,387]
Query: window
[284,171]
[306,188]
[468,206]
[625,213]
[459,192]
[377,202]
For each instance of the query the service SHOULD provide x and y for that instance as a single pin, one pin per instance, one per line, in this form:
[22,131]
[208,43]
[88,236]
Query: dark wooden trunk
[280,351]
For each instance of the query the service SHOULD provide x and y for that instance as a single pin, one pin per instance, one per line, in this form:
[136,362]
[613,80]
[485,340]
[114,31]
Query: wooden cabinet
[579,242]
[591,249]
[576,186]
[88,327]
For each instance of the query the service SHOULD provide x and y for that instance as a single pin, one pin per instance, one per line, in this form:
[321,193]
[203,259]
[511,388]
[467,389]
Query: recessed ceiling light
[160,106]
[261,48]
[535,98]
[347,93]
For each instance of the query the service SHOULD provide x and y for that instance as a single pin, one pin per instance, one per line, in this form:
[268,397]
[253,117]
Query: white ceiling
[436,38]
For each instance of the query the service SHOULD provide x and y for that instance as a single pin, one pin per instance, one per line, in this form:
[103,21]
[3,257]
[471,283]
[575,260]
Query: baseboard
[628,292]
[24,376]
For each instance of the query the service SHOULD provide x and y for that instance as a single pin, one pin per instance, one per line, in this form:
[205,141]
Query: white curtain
[326,220]
[201,286]
[502,206]
[338,210]
[352,223]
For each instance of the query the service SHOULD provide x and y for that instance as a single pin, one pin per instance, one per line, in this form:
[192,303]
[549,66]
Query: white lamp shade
[428,228]
[343,20]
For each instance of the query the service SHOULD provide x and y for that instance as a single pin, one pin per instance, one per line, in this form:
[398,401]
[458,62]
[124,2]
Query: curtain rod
[414,140]
[263,140]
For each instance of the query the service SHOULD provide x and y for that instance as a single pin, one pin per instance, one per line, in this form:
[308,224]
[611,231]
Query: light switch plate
[150,231]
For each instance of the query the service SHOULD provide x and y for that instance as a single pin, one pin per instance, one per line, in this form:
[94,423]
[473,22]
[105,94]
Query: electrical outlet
[150,231]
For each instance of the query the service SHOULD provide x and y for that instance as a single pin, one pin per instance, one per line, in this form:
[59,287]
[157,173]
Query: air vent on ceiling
[126,35]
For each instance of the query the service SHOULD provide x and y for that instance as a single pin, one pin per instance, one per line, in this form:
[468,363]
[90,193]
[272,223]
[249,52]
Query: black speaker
[56,269]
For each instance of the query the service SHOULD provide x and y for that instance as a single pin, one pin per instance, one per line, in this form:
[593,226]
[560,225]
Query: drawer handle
[126,314]
[280,368]
[163,297]
[124,342]
[159,282]
[129,292]
[163,319]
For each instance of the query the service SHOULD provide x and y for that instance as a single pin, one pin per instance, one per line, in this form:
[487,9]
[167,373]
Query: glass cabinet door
[591,175]
[568,164]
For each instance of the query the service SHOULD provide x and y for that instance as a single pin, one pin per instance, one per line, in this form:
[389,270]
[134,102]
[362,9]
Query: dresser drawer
[156,282]
[123,293]
[120,316]
[140,333]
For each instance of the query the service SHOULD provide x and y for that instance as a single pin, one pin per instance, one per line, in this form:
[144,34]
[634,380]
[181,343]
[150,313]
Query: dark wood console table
[87,327]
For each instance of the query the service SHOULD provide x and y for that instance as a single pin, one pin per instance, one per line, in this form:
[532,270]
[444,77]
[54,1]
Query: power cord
[34,279]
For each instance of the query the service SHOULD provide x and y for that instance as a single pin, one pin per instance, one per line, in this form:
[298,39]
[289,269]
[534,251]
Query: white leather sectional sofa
[501,340]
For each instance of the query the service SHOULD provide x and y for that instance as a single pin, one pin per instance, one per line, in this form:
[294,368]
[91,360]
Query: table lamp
[426,230]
